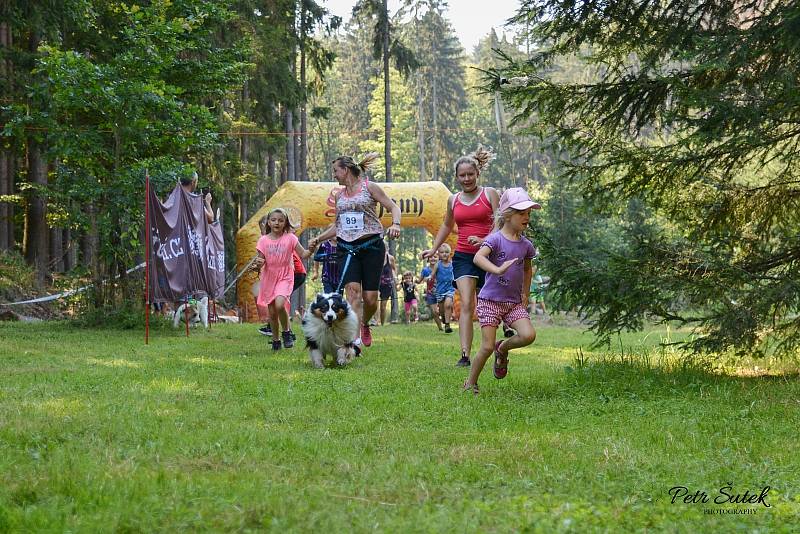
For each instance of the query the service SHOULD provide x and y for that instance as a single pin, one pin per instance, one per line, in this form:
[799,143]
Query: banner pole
[186,315]
[146,257]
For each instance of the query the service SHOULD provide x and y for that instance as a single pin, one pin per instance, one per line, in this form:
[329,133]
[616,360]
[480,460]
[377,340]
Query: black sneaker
[447,328]
[276,344]
[288,339]
[464,361]
[265,330]
[508,331]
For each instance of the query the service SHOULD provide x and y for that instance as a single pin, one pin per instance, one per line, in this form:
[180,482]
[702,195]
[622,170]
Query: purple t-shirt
[508,286]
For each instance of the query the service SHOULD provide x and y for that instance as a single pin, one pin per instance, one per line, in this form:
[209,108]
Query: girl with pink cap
[506,257]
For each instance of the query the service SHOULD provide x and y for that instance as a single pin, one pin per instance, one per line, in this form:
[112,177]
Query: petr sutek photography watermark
[717,499]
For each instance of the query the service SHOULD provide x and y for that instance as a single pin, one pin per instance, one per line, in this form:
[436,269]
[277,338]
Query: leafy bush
[128,316]
[16,277]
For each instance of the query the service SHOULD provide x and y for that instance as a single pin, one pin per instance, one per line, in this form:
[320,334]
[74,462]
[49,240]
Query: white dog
[331,327]
[198,313]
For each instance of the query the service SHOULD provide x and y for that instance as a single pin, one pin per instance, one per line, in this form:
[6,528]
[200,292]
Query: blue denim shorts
[463,266]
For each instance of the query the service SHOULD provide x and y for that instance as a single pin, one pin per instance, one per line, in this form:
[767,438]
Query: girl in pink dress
[277,273]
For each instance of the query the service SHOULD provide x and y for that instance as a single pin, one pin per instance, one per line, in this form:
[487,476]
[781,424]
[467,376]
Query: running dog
[331,327]
[198,312]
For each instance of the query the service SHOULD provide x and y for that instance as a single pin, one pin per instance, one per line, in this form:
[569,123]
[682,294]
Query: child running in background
[386,284]
[300,275]
[277,273]
[326,255]
[430,287]
[409,297]
[443,274]
[506,257]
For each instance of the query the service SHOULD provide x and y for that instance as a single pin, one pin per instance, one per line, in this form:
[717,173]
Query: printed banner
[187,253]
[312,205]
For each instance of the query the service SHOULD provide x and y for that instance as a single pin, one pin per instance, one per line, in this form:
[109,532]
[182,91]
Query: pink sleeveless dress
[277,274]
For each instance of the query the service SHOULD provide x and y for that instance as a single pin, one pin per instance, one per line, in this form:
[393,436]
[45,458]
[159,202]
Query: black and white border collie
[331,328]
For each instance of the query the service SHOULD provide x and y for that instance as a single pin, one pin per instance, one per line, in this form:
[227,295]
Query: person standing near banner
[359,235]
[197,288]
[189,184]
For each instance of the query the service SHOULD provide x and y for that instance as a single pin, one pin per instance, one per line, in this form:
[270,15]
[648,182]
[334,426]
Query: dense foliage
[662,140]
[688,116]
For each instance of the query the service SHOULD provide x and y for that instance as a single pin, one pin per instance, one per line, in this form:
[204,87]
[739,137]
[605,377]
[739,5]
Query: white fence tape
[66,293]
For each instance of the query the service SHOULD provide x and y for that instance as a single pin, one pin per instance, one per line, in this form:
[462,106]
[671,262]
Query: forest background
[250,94]
[662,141]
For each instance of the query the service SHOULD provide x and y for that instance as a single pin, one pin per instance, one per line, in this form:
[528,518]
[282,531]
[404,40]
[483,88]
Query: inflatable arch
[311,205]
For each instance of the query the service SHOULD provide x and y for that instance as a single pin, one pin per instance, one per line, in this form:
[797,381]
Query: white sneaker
[357,341]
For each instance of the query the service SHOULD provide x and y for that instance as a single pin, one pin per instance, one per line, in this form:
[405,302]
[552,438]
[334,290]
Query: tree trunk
[6,183]
[298,174]
[36,225]
[387,117]
[300,294]
[69,250]
[244,157]
[290,157]
[421,127]
[272,184]
[90,245]
[435,136]
[6,156]
[57,250]
[271,166]
[303,168]
[243,211]
[237,223]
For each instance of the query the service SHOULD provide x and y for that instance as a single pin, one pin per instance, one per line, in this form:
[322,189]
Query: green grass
[99,432]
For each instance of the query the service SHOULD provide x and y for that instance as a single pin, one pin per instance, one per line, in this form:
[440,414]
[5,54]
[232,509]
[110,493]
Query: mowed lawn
[99,432]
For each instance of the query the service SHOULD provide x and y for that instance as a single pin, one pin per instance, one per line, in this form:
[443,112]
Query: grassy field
[99,432]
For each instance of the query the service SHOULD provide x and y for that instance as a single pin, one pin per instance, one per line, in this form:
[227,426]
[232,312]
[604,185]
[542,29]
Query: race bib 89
[352,220]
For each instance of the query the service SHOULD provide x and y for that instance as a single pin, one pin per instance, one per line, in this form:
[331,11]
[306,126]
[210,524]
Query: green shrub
[16,277]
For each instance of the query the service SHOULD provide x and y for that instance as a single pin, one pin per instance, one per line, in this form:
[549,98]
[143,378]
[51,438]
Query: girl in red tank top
[473,219]
[472,210]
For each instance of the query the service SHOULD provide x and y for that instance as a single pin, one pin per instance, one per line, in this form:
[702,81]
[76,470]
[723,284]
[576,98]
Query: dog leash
[352,251]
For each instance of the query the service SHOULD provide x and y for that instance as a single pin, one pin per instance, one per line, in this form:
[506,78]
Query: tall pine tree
[693,109]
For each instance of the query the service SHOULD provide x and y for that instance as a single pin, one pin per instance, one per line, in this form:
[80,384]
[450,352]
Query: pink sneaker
[366,335]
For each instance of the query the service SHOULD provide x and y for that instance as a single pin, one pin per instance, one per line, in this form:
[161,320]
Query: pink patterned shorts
[490,313]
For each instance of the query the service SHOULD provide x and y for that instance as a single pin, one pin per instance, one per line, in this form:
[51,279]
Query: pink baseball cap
[517,198]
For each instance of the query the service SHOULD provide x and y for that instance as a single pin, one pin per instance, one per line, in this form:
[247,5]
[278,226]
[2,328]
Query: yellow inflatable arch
[311,205]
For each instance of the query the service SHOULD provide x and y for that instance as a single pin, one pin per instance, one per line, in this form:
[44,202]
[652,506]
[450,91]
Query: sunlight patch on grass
[202,360]
[117,362]
[175,385]
[58,407]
